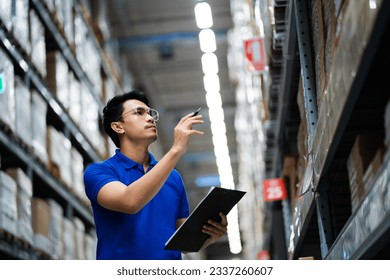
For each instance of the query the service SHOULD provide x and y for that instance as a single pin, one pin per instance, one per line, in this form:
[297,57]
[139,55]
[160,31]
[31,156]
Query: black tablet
[189,236]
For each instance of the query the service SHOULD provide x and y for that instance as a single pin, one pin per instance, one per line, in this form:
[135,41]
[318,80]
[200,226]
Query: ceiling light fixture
[203,16]
[207,41]
[210,63]
[211,82]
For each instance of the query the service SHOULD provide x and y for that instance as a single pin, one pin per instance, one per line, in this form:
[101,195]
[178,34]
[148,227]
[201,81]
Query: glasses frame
[148,111]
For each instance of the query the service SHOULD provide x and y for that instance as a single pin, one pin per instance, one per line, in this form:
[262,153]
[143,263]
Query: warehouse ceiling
[158,44]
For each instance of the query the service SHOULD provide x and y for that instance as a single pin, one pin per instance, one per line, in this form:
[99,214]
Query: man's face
[138,122]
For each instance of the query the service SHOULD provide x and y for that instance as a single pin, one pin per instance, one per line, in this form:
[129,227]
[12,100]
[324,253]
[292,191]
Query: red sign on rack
[263,255]
[274,189]
[255,54]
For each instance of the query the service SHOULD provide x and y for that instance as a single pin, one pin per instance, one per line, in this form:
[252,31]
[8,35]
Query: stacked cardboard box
[8,204]
[39,126]
[20,23]
[57,77]
[363,151]
[79,234]
[7,94]
[22,111]
[41,225]
[290,172]
[68,240]
[59,151]
[6,13]
[56,227]
[24,198]
[90,246]
[372,169]
[317,21]
[38,44]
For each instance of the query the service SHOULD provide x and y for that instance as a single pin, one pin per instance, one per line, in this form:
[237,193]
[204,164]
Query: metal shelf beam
[27,67]
[368,223]
[65,49]
[42,173]
[324,149]
[286,85]
[307,66]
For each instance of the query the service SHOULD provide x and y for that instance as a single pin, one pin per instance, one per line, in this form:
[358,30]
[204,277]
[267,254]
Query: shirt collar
[128,163]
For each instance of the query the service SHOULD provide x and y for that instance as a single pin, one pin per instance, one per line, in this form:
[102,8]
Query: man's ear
[117,127]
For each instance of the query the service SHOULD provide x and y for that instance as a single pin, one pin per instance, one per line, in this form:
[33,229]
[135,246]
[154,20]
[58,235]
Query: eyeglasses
[142,112]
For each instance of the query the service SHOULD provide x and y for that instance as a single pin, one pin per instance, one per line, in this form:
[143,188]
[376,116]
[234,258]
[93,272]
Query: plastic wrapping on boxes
[77,167]
[59,150]
[68,21]
[8,204]
[86,52]
[372,169]
[362,153]
[235,56]
[57,77]
[38,125]
[63,12]
[41,223]
[108,90]
[368,217]
[90,246]
[79,233]
[93,62]
[90,124]
[6,13]
[23,111]
[354,25]
[7,96]
[24,199]
[20,24]
[319,47]
[81,33]
[56,227]
[68,240]
[74,99]
[38,45]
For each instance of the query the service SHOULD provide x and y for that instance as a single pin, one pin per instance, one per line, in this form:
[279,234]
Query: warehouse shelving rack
[14,153]
[322,225]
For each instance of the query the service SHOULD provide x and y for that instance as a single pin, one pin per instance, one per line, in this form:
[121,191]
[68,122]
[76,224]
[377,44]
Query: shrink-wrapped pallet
[23,111]
[59,151]
[8,205]
[68,240]
[79,233]
[39,126]
[38,44]
[7,92]
[6,13]
[56,227]
[90,244]
[24,199]
[57,77]
[41,225]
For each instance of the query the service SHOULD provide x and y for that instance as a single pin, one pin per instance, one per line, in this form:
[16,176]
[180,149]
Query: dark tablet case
[189,236]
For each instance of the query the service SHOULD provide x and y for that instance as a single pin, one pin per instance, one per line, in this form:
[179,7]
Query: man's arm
[131,199]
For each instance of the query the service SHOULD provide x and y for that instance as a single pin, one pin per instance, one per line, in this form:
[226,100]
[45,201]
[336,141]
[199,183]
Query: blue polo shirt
[135,236]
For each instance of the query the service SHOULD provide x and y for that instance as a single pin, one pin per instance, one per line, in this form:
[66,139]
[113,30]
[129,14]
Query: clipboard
[189,236]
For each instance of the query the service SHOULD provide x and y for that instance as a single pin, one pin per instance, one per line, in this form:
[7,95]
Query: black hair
[114,109]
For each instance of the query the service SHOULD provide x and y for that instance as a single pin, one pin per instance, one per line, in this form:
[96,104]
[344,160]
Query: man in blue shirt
[138,202]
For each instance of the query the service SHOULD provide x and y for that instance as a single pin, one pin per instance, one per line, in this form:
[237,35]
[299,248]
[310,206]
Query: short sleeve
[97,175]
